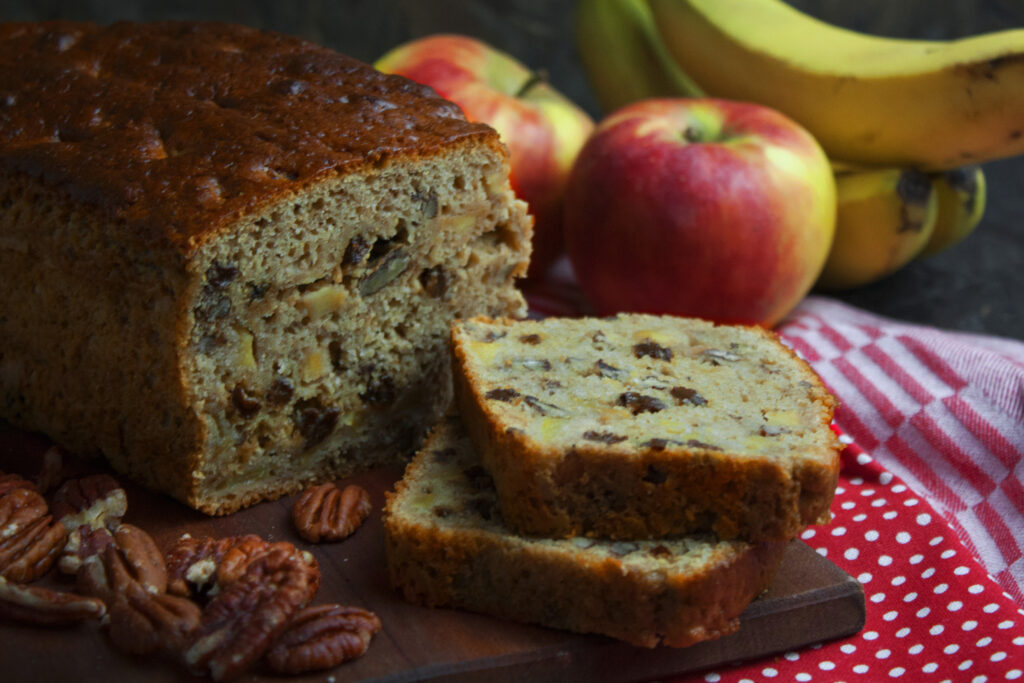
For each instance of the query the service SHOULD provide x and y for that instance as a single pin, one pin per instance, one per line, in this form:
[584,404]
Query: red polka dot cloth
[929,509]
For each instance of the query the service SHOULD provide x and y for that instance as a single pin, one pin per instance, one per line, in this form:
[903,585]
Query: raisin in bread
[447,546]
[643,426]
[230,257]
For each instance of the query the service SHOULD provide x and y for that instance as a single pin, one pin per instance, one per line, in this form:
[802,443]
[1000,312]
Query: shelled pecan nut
[195,565]
[10,481]
[204,567]
[142,558]
[44,607]
[322,637]
[97,500]
[130,558]
[30,541]
[237,557]
[82,543]
[142,622]
[329,513]
[20,504]
[245,618]
[125,569]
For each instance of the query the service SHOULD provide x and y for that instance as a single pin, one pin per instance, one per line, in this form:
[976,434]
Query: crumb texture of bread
[231,257]
[446,545]
[642,426]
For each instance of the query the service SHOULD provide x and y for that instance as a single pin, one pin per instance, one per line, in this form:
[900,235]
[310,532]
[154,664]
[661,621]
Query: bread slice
[230,257]
[643,426]
[447,546]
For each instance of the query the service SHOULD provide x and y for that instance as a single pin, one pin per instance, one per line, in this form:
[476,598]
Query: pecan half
[126,570]
[195,566]
[45,607]
[142,623]
[129,558]
[82,543]
[142,558]
[322,637]
[20,503]
[9,482]
[243,620]
[330,513]
[97,500]
[205,567]
[30,541]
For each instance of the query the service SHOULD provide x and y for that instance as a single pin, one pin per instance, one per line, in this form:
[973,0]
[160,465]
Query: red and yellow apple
[542,129]
[699,207]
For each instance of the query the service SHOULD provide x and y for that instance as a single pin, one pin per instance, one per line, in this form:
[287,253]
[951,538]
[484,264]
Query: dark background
[977,286]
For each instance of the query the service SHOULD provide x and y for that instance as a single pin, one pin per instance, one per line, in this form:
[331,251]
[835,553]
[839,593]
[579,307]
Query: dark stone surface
[976,286]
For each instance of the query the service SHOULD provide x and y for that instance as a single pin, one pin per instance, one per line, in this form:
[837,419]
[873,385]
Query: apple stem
[536,77]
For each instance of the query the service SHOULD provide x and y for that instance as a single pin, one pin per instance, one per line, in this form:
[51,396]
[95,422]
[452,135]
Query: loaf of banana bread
[230,257]
[642,426]
[446,545]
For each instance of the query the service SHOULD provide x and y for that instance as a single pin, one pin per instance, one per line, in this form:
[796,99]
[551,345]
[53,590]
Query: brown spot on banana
[965,180]
[998,63]
[988,69]
[915,189]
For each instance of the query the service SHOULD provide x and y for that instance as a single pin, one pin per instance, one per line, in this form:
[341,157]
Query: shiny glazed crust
[231,256]
[586,429]
[446,546]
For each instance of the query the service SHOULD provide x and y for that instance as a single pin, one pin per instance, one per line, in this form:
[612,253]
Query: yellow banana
[623,56]
[884,217]
[933,105]
[961,193]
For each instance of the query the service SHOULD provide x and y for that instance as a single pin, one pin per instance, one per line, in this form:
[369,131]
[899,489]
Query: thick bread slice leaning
[446,546]
[642,426]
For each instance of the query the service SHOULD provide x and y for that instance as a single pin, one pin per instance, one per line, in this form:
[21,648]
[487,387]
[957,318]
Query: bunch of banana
[886,217]
[933,105]
[906,114]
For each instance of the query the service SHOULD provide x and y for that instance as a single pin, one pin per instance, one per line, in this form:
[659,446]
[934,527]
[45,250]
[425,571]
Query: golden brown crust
[175,129]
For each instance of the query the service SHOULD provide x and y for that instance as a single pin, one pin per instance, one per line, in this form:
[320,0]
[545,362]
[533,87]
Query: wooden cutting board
[811,601]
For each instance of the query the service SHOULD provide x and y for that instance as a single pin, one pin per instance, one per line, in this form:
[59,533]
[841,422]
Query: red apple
[699,207]
[542,129]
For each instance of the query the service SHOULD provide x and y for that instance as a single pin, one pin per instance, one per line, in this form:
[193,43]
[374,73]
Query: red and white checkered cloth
[929,511]
[942,411]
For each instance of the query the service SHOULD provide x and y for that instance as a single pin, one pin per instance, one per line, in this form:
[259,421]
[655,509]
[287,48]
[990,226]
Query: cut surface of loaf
[644,426]
[230,257]
[447,546]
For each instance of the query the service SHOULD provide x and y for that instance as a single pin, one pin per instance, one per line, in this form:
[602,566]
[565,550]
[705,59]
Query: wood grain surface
[811,601]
